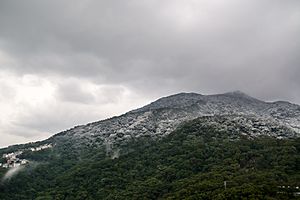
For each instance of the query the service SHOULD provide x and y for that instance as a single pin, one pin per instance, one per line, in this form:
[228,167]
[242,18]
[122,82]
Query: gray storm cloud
[84,58]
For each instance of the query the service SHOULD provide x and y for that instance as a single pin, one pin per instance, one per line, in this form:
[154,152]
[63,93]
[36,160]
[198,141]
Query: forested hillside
[190,163]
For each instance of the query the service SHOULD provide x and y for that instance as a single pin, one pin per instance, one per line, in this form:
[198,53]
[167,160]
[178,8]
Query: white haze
[12,172]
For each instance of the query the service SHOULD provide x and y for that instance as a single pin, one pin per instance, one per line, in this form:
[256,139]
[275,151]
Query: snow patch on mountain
[163,116]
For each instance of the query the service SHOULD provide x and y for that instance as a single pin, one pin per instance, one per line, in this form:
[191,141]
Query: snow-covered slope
[166,114]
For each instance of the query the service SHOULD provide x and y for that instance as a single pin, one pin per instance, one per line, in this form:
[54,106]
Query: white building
[23,162]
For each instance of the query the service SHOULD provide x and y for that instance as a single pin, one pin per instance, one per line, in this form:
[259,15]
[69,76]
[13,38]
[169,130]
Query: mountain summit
[165,114]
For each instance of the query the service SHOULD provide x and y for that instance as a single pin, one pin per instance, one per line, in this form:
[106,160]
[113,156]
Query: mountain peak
[185,99]
[182,99]
[241,95]
[237,93]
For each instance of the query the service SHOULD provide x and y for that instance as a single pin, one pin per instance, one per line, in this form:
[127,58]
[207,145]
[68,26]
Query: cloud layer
[68,62]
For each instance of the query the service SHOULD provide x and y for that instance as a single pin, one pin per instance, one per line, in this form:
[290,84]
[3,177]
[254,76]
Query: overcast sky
[69,62]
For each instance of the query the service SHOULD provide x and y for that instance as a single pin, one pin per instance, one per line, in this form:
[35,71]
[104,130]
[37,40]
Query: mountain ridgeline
[163,116]
[184,146]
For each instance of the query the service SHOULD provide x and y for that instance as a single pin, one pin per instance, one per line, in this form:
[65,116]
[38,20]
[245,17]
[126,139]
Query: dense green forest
[191,163]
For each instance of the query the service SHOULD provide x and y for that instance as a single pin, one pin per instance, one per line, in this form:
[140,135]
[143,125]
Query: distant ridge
[164,115]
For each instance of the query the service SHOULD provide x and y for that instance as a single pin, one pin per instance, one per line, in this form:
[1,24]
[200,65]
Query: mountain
[170,149]
[163,116]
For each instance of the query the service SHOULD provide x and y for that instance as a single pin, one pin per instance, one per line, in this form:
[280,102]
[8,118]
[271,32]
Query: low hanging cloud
[12,172]
[66,62]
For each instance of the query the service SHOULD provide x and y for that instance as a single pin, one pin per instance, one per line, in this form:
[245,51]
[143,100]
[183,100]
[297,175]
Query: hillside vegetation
[190,163]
